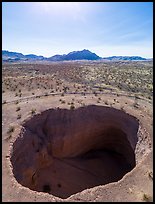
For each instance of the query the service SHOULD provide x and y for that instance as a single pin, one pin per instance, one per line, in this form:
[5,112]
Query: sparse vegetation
[62,101]
[132,77]
[147,197]
[150,174]
[122,108]
[106,102]
[135,104]
[4,102]
[17,109]
[75,85]
[46,94]
[11,129]
[72,107]
[19,116]
[33,111]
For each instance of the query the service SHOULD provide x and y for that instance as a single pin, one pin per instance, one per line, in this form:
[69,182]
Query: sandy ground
[136,185]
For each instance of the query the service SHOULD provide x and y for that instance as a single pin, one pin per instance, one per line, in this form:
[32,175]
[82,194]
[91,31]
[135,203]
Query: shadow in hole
[96,167]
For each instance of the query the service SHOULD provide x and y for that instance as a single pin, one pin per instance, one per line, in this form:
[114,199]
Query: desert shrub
[100,89]
[72,107]
[146,197]
[106,102]
[37,96]
[4,102]
[19,116]
[95,94]
[150,174]
[83,94]
[33,111]
[135,105]
[18,109]
[11,129]
[122,108]
[137,97]
[65,89]
[46,94]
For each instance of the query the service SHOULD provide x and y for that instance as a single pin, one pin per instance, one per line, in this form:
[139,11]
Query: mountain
[76,55]
[124,58]
[11,54]
[31,56]
[82,55]
[16,56]
[8,56]
[56,58]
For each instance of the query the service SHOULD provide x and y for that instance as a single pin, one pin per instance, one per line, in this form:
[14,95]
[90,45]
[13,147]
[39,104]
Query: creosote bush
[33,111]
[72,107]
[11,129]
[18,109]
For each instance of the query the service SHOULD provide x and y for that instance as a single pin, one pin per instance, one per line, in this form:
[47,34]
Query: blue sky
[106,28]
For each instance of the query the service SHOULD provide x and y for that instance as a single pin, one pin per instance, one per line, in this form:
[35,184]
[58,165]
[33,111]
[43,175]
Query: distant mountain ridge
[124,58]
[16,56]
[8,56]
[76,55]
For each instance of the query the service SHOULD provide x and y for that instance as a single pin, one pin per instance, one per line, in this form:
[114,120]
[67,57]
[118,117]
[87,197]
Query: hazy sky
[106,28]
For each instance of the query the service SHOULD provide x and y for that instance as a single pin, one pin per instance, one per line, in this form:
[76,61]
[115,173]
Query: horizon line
[82,50]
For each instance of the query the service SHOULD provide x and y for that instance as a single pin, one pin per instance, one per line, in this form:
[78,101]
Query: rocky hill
[75,55]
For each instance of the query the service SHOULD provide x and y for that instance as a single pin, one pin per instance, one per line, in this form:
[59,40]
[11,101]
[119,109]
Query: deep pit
[62,152]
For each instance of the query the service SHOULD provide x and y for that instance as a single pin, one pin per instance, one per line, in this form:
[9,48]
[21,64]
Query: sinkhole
[63,152]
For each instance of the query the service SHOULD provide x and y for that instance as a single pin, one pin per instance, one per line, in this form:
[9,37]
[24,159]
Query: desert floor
[29,89]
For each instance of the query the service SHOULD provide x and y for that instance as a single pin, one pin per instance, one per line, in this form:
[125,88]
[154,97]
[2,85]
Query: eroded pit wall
[71,136]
